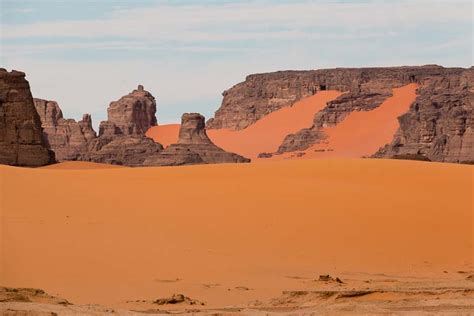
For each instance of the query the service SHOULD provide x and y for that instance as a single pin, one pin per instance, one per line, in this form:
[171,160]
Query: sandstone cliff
[193,147]
[21,139]
[437,127]
[66,137]
[132,114]
[122,139]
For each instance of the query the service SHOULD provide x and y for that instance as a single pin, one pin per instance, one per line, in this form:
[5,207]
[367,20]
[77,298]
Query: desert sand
[267,134]
[165,134]
[80,165]
[236,236]
[362,133]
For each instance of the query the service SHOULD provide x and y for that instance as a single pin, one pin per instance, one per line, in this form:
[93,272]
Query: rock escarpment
[193,147]
[437,127]
[66,137]
[440,124]
[21,138]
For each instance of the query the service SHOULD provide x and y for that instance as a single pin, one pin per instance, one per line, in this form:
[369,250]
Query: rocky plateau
[438,127]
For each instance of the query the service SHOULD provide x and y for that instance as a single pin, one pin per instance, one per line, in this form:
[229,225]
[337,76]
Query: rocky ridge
[438,126]
[66,137]
[121,139]
[193,147]
[21,138]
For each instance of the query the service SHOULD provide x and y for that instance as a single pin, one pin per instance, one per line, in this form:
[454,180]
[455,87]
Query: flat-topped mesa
[437,127]
[132,114]
[21,137]
[261,94]
[193,147]
[66,137]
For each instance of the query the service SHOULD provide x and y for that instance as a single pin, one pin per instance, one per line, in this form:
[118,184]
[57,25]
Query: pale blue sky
[86,53]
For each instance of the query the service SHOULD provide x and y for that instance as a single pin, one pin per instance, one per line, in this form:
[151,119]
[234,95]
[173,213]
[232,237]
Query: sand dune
[165,134]
[363,133]
[266,135]
[232,234]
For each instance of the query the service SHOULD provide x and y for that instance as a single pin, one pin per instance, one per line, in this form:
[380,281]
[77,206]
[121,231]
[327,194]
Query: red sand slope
[267,134]
[263,136]
[164,134]
[363,133]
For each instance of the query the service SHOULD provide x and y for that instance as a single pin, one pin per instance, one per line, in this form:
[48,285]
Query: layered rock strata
[66,137]
[437,127]
[21,138]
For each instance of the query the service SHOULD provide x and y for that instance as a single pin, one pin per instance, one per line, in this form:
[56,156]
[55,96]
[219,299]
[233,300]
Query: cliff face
[66,137]
[440,124]
[437,127]
[21,139]
[193,147]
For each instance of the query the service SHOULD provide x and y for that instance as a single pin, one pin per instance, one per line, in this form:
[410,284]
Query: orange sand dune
[166,134]
[80,165]
[363,133]
[233,233]
[266,135]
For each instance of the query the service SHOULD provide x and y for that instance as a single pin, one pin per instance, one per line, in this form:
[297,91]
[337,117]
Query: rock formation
[132,114]
[66,137]
[121,139]
[21,138]
[438,126]
[131,150]
[193,147]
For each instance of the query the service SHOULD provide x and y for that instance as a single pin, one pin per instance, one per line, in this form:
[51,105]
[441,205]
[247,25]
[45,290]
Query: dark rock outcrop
[132,114]
[128,150]
[66,137]
[193,147]
[438,126]
[122,139]
[21,138]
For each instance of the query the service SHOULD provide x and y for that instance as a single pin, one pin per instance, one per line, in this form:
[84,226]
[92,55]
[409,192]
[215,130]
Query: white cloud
[247,21]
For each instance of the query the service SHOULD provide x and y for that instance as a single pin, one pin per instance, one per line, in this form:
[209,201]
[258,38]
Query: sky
[86,53]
